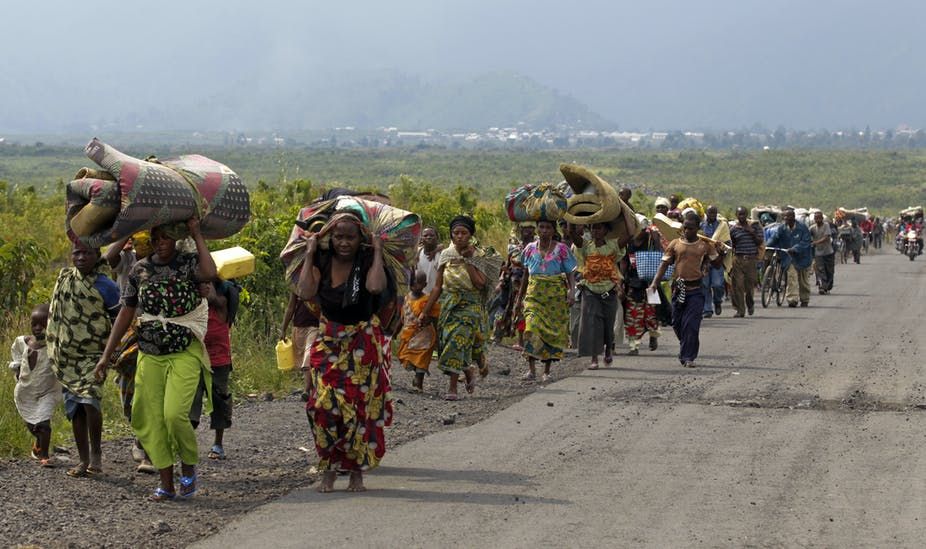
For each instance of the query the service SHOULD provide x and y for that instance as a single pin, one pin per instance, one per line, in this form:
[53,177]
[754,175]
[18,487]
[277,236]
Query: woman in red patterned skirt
[349,394]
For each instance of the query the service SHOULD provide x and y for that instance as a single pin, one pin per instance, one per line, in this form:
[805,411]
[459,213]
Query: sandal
[216,452]
[451,396]
[48,463]
[529,376]
[593,366]
[160,495]
[78,471]
[93,470]
[608,359]
[187,486]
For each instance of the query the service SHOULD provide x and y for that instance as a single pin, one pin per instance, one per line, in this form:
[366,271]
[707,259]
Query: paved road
[799,428]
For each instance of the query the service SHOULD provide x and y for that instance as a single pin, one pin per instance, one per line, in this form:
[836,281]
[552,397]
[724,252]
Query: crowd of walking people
[163,325]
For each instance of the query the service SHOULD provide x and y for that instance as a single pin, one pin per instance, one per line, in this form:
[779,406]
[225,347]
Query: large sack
[694,204]
[153,193]
[594,200]
[400,231]
[544,202]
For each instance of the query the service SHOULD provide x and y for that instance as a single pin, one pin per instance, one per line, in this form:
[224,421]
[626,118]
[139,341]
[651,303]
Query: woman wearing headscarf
[459,287]
[171,355]
[349,394]
[549,292]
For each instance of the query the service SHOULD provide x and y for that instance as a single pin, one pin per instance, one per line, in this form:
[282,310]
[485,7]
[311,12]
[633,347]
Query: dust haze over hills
[69,68]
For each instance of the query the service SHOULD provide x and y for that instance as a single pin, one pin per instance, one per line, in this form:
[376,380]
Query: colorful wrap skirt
[351,399]
[462,331]
[546,317]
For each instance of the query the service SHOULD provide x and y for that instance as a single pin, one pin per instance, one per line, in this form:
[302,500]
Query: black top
[335,304]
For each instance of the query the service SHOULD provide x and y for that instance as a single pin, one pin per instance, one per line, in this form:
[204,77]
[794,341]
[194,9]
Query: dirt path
[800,427]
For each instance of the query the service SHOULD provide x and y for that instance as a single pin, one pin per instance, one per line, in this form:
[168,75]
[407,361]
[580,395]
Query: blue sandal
[187,486]
[216,452]
[160,495]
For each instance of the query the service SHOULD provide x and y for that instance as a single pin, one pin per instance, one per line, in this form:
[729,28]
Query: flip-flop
[188,484]
[451,396]
[216,452]
[160,495]
[78,471]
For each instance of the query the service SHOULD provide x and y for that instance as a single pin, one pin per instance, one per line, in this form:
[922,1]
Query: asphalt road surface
[800,427]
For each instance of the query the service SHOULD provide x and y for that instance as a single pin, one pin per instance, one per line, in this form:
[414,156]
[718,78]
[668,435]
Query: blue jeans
[712,283]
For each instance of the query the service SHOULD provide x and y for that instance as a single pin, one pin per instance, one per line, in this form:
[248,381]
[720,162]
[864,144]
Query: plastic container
[233,262]
[285,359]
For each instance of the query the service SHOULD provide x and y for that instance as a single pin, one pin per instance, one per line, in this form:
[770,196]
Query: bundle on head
[594,200]
[400,230]
[130,195]
[544,202]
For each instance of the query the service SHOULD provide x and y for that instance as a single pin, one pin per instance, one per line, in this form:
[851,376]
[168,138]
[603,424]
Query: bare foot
[327,483]
[356,482]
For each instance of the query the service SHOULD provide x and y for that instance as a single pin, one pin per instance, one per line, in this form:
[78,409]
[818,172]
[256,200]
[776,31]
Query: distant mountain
[314,101]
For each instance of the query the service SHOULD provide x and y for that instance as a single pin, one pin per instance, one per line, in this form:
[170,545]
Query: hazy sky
[644,64]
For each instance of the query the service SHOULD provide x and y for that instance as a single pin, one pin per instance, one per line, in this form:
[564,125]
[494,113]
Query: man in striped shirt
[747,238]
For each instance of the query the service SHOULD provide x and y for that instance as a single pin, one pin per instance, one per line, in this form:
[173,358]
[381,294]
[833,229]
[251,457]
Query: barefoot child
[222,304]
[37,391]
[417,341]
[83,304]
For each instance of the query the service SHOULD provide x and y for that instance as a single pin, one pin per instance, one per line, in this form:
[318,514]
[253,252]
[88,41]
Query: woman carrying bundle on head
[459,287]
[349,392]
[172,356]
[548,292]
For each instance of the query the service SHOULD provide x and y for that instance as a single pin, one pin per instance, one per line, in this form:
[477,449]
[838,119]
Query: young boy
[417,341]
[218,347]
[37,391]
[688,254]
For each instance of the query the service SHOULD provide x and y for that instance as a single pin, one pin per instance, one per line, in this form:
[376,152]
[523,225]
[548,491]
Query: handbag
[647,263]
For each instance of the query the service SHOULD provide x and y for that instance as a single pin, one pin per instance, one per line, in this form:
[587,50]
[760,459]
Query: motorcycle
[911,244]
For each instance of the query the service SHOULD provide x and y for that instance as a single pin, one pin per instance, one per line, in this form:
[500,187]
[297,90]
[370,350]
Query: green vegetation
[437,184]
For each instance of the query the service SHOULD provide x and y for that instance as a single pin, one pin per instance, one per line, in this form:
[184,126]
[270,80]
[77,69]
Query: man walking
[795,238]
[746,238]
[824,253]
[713,282]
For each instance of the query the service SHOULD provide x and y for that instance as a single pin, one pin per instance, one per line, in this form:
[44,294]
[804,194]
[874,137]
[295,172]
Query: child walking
[416,340]
[222,299]
[37,391]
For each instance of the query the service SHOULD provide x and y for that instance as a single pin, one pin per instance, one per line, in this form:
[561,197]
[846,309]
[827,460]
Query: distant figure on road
[687,254]
[713,282]
[824,253]
[746,237]
[794,237]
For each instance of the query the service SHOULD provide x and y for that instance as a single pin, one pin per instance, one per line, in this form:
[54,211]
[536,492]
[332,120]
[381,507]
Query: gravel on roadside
[269,452]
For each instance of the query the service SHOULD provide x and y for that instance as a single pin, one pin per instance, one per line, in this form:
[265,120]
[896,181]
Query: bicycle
[775,279]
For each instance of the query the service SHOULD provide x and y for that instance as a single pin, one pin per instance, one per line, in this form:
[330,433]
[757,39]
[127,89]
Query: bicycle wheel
[782,285]
[768,279]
